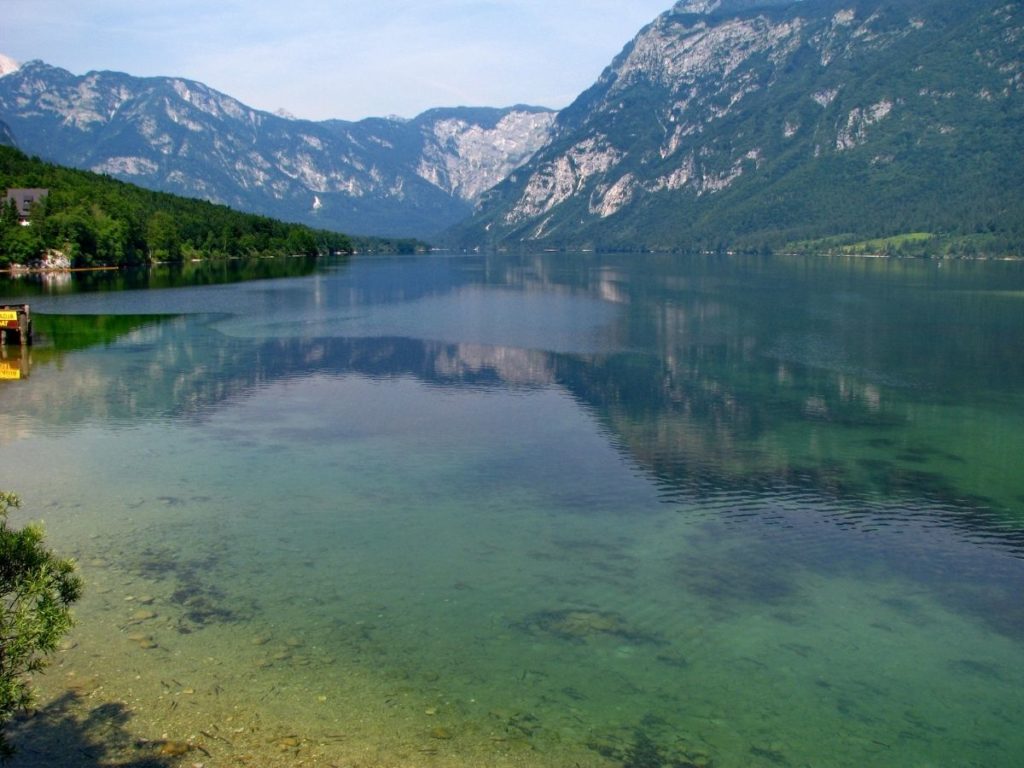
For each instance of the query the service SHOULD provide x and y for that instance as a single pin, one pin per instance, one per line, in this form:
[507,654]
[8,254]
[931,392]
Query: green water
[553,511]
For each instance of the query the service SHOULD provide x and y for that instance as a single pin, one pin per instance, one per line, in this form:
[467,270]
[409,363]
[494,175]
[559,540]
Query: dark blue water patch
[734,582]
[757,553]
[979,669]
[864,492]
[610,561]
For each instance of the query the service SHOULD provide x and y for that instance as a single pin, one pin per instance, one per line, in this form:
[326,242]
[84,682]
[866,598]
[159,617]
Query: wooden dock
[15,324]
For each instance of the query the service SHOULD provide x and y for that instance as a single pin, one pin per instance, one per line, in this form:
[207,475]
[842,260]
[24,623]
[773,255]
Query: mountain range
[375,176]
[888,125]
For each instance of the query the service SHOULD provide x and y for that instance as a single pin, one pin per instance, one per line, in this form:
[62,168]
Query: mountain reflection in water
[612,457]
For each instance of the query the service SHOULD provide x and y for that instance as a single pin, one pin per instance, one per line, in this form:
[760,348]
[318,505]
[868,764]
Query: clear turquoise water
[571,509]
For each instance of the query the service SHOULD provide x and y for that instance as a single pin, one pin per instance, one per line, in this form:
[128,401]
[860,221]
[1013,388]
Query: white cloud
[348,59]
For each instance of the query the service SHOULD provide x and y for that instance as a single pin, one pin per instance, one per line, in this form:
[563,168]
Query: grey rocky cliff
[7,136]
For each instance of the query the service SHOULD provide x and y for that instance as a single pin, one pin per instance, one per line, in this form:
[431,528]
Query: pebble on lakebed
[174,748]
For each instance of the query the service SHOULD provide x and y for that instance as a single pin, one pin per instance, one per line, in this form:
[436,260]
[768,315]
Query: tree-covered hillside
[97,221]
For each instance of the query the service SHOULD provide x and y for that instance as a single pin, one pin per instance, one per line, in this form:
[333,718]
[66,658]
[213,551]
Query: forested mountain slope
[94,220]
[773,124]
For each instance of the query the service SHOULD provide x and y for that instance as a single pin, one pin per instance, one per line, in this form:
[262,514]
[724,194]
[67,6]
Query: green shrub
[37,589]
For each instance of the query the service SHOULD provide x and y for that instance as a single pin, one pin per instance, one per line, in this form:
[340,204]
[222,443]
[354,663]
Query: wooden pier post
[15,324]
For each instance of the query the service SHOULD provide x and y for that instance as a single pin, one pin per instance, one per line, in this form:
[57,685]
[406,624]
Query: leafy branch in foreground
[37,589]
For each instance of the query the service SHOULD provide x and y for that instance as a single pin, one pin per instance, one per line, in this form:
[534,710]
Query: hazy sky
[348,59]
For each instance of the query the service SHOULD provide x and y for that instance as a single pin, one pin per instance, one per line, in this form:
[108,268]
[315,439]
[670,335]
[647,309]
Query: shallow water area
[570,509]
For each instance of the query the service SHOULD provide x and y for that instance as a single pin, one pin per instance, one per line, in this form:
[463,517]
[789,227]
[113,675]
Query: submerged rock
[579,624]
[173,748]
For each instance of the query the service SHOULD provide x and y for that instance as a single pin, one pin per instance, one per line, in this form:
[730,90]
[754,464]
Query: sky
[346,59]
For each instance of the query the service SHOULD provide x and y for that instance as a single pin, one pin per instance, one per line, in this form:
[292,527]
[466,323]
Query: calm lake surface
[626,510]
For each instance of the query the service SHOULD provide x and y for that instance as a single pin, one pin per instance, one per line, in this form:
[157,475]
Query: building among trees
[23,199]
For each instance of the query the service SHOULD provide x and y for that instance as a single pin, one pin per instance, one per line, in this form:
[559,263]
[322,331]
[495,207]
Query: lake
[568,509]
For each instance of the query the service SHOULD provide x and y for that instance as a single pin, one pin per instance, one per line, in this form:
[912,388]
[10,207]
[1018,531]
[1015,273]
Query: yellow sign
[8,314]
[9,371]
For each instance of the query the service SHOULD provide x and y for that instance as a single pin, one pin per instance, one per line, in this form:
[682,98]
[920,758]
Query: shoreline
[52,270]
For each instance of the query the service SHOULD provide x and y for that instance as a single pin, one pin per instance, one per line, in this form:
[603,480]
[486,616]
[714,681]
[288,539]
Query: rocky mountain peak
[726,6]
[8,65]
[466,157]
